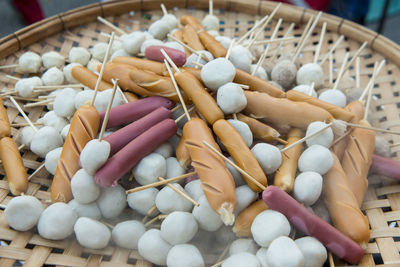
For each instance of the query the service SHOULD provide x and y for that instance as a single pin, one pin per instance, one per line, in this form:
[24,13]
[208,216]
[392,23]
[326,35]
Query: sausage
[88,78]
[240,152]
[242,227]
[310,224]
[203,101]
[285,175]
[123,136]
[132,111]
[182,154]
[386,167]
[260,130]
[13,166]
[283,112]
[154,53]
[84,127]
[257,84]
[192,21]
[143,64]
[212,45]
[131,97]
[143,83]
[178,34]
[195,72]
[357,159]
[216,180]
[343,206]
[191,38]
[126,158]
[337,112]
[5,128]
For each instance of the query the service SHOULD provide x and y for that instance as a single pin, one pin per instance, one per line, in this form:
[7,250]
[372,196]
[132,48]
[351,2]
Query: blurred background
[382,16]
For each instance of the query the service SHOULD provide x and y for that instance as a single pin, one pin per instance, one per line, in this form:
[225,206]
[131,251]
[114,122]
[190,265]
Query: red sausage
[123,136]
[386,167]
[133,152]
[312,225]
[154,53]
[132,111]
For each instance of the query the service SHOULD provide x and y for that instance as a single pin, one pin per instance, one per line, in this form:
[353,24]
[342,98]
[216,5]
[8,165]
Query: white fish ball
[210,22]
[262,256]
[174,169]
[260,73]
[335,97]
[242,259]
[184,255]
[313,251]
[142,201]
[269,157]
[194,190]
[305,89]
[45,139]
[53,76]
[166,150]
[103,98]
[25,86]
[53,93]
[67,72]
[382,146]
[93,64]
[117,45]
[64,105]
[170,20]
[237,176]
[29,62]
[284,73]
[167,200]
[91,233]
[243,245]
[127,234]
[26,135]
[84,188]
[53,120]
[150,168]
[244,130]
[179,227]
[231,98]
[307,187]
[241,57]
[324,138]
[83,97]
[90,210]
[159,29]
[283,251]
[53,59]
[120,53]
[244,197]
[64,131]
[217,72]
[195,58]
[57,221]
[148,43]
[269,225]
[112,201]
[51,160]
[99,50]
[175,45]
[309,73]
[94,155]
[133,41]
[224,40]
[316,158]
[22,212]
[153,248]
[79,55]
[206,217]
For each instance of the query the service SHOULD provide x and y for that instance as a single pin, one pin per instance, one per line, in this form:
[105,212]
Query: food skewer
[335,45]
[318,50]
[289,30]
[21,111]
[112,26]
[341,72]
[303,36]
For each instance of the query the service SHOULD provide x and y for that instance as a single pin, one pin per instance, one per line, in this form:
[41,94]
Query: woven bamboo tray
[80,27]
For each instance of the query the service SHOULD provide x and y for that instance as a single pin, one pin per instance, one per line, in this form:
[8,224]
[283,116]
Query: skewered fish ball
[98,51]
[284,73]
[170,20]
[53,59]
[53,76]
[67,72]
[307,187]
[269,157]
[29,62]
[94,147]
[217,72]
[153,248]
[132,42]
[150,168]
[26,135]
[51,160]
[324,138]
[79,55]
[159,29]
[224,40]
[185,255]
[25,86]
[316,158]
[112,201]
[64,105]
[305,89]
[231,99]
[283,251]
[167,200]
[22,213]
[335,97]
[45,139]
[310,73]
[127,234]
[195,58]
[244,130]
[53,120]
[210,22]
[261,73]
[91,233]
[179,227]
[143,201]
[241,58]
[84,188]
[313,251]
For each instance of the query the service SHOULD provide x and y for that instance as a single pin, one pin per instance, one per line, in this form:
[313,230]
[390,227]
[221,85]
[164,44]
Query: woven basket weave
[79,27]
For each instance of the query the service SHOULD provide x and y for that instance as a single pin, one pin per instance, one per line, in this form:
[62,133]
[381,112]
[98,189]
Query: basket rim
[63,21]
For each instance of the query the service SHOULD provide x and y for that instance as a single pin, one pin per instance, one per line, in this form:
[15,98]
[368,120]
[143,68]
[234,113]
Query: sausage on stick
[88,78]
[5,128]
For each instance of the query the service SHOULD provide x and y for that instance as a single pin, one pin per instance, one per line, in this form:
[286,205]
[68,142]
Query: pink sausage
[310,224]
[123,136]
[386,167]
[132,111]
[133,152]
[154,53]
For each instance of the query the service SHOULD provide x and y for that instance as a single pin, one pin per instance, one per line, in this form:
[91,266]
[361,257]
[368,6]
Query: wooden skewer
[228,53]
[183,194]
[109,225]
[29,98]
[339,138]
[36,171]
[394,145]
[53,87]
[331,262]
[112,26]
[8,66]
[330,68]
[9,93]
[342,70]
[218,263]
[23,113]
[277,40]
[234,165]
[122,95]
[375,72]
[177,107]
[356,54]
[159,217]
[303,36]
[13,77]
[184,115]
[149,212]
[241,39]
[21,146]
[105,120]
[358,72]
[243,86]
[321,39]
[210,7]
[310,91]
[302,140]
[372,128]
[169,60]
[202,55]
[367,104]
[40,103]
[335,45]
[164,9]
[25,124]
[289,30]
[99,78]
